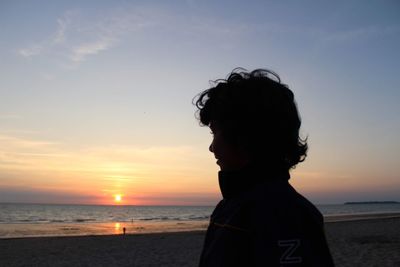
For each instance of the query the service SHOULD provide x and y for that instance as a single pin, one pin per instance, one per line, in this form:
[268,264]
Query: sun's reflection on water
[117,228]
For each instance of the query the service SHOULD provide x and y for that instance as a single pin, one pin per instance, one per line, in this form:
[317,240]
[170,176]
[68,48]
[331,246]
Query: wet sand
[361,242]
[85,229]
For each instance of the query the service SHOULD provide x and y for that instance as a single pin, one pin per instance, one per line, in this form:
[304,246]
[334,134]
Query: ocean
[22,220]
[50,213]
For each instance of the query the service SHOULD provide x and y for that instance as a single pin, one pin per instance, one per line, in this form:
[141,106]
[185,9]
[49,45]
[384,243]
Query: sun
[117,198]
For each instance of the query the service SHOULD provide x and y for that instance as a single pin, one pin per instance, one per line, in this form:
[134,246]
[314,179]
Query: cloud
[78,35]
[20,153]
[52,41]
[29,194]
[63,23]
[30,51]
[15,142]
[115,169]
[83,50]
[26,153]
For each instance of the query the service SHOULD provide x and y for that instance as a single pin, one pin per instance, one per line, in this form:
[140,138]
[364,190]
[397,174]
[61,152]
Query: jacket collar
[232,183]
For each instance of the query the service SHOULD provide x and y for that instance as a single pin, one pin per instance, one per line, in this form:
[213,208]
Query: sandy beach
[365,242]
[360,242]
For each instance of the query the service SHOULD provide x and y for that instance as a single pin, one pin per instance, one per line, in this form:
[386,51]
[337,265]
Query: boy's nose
[211,148]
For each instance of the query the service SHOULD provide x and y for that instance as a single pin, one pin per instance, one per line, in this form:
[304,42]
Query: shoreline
[38,230]
[374,242]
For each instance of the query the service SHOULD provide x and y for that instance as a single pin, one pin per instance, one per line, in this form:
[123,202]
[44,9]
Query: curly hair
[257,113]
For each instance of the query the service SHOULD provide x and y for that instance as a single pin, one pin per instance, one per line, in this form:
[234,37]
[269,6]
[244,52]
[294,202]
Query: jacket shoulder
[280,200]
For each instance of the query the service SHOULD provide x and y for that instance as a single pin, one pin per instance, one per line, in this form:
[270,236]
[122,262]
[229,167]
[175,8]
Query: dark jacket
[263,221]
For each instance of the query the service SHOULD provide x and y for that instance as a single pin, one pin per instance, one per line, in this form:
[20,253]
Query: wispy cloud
[79,35]
[31,50]
[83,50]
[16,142]
[107,160]
[112,169]
[62,23]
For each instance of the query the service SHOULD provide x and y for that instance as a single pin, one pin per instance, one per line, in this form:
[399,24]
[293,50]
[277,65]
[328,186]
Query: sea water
[31,220]
[22,220]
[46,213]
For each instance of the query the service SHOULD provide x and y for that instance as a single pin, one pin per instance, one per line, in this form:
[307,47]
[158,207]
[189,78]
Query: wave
[57,221]
[20,213]
[84,220]
[166,218]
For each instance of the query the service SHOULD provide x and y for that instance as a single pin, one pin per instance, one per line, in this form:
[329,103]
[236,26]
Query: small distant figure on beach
[124,230]
[261,219]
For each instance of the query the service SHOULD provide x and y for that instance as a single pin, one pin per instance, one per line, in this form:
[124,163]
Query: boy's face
[229,157]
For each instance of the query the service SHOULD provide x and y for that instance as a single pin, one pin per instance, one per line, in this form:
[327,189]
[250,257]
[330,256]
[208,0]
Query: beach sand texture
[372,242]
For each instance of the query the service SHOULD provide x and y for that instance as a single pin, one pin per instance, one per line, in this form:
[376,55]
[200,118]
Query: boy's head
[256,116]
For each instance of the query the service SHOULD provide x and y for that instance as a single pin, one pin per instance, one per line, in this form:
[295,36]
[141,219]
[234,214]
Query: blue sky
[101,77]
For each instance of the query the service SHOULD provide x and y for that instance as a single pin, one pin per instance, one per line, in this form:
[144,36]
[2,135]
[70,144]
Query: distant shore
[372,242]
[371,202]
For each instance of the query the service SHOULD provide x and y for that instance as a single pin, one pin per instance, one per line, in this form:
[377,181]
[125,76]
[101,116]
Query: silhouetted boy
[261,220]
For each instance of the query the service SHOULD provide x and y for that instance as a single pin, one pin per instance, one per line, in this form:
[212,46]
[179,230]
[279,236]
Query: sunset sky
[96,96]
